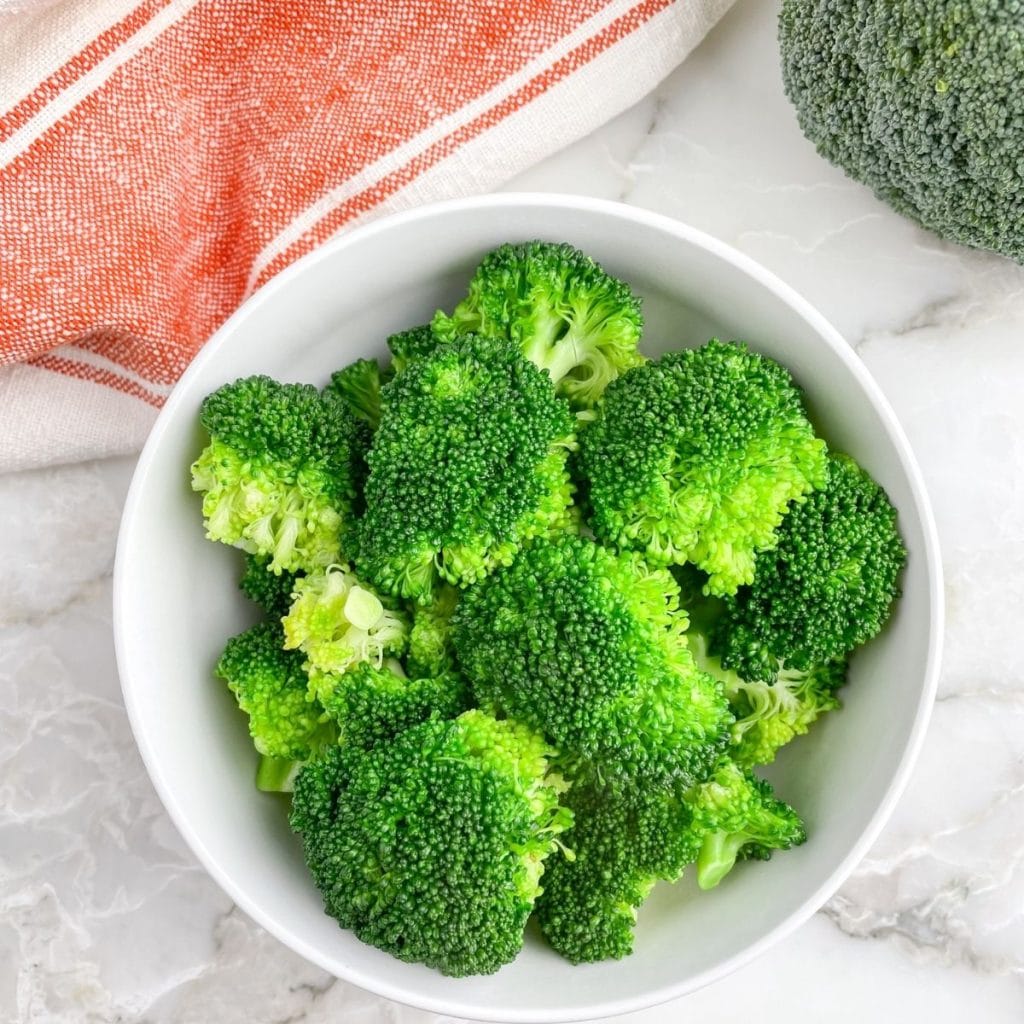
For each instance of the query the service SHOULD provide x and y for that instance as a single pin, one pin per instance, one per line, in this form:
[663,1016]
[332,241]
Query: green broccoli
[270,685]
[272,592]
[560,308]
[338,622]
[696,458]
[770,714]
[358,386]
[825,588]
[279,475]
[430,643]
[737,816]
[372,705]
[431,847]
[621,844]
[408,345]
[468,462]
[919,101]
[588,646]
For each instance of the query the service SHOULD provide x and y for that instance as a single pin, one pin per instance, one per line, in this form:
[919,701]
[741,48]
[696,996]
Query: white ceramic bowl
[176,601]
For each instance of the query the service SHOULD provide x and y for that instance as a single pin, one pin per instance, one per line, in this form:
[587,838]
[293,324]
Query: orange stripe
[102,46]
[82,371]
[364,201]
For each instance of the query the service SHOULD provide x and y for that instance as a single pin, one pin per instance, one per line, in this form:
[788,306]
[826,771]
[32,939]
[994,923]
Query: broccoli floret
[621,843]
[337,622]
[919,101]
[430,641]
[358,386]
[279,475]
[736,815]
[587,646]
[272,592]
[695,458]
[562,310]
[431,847]
[408,345]
[270,686]
[770,714]
[825,588]
[468,462]
[373,705]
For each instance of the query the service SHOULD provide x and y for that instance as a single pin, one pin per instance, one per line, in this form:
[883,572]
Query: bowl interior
[177,601]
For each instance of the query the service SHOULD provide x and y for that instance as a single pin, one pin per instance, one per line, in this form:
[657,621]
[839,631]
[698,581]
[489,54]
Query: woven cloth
[159,161]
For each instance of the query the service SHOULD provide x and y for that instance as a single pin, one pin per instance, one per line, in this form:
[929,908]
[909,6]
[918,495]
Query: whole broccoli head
[271,591]
[270,685]
[431,847]
[920,101]
[587,646]
[358,386]
[735,815]
[371,706]
[281,472]
[337,621]
[826,587]
[468,462]
[621,843]
[696,458]
[771,714]
[566,315]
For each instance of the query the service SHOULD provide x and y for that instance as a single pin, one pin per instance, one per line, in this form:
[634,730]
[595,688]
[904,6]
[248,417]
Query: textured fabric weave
[159,161]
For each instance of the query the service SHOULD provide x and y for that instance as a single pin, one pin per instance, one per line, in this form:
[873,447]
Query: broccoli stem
[717,856]
[276,774]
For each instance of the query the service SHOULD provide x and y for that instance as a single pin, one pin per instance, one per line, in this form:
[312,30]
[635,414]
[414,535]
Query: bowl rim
[456,1006]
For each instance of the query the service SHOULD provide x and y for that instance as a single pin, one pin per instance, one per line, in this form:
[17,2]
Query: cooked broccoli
[560,308]
[337,622]
[825,588]
[587,646]
[468,462]
[279,475]
[272,592]
[695,458]
[770,714]
[921,102]
[431,847]
[621,844]
[408,345]
[430,641]
[269,684]
[373,705]
[736,815]
[358,386]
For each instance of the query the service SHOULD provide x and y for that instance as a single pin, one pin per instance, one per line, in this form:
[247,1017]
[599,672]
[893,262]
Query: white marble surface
[106,917]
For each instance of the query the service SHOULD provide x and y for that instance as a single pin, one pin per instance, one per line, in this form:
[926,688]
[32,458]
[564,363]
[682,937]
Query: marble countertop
[106,917]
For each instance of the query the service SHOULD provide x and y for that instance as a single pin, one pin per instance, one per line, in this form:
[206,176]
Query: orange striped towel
[160,160]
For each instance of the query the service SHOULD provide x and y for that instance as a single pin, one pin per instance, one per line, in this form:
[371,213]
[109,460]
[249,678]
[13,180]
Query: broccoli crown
[563,311]
[468,462]
[272,592]
[373,705]
[270,686]
[587,646]
[337,622]
[430,640]
[431,847]
[280,474]
[408,345]
[919,101]
[827,586]
[358,386]
[696,457]
[621,843]
[736,815]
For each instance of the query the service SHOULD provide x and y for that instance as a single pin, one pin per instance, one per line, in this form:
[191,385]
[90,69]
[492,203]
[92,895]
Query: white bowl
[176,601]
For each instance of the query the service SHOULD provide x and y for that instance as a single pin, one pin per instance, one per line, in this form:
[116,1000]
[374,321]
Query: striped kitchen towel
[160,160]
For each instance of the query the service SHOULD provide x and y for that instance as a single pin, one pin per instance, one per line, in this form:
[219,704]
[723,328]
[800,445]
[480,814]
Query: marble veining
[106,917]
